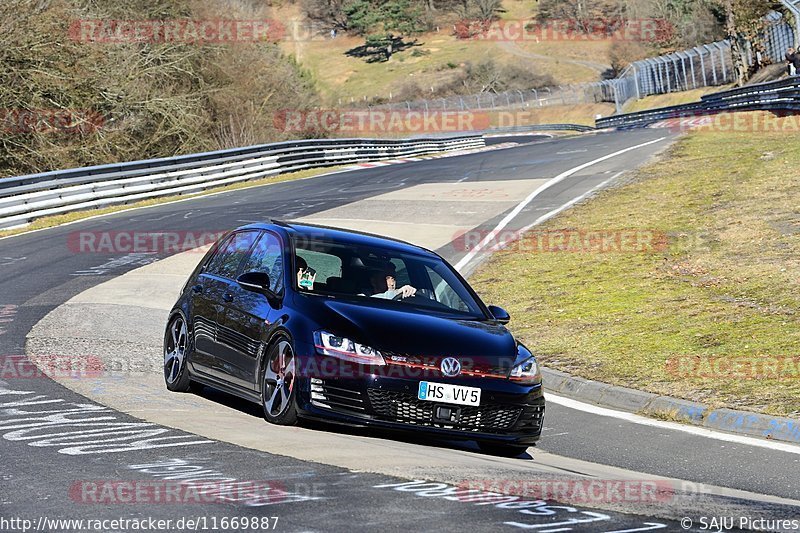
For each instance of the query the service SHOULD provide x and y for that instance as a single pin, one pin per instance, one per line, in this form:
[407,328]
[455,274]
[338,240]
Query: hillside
[437,57]
[78,97]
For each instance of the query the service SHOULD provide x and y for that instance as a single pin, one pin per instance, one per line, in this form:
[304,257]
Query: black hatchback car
[352,328]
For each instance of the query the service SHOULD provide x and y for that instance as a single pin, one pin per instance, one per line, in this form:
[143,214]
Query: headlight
[343,348]
[526,372]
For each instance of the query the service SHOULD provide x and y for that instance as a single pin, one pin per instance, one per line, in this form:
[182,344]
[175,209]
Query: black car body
[310,341]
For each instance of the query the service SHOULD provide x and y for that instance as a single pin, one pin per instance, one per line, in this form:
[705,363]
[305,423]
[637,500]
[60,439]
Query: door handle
[197,289]
[227,297]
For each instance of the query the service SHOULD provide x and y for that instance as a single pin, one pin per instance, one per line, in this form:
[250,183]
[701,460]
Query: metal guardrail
[26,198]
[540,127]
[782,95]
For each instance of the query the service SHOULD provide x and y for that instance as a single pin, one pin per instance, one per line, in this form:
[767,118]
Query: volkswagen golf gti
[322,323]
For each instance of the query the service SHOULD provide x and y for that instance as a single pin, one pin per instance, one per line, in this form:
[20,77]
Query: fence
[548,96]
[25,198]
[703,66]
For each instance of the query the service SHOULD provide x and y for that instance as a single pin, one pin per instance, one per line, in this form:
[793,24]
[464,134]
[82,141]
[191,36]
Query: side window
[229,255]
[267,257]
[444,292]
[326,265]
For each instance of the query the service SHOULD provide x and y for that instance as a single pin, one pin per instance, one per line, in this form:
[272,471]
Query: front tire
[176,350]
[279,384]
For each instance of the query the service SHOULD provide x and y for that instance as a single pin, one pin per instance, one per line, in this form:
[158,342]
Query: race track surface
[56,442]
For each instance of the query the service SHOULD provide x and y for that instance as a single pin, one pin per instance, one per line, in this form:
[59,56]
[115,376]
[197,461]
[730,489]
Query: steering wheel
[427,293]
[421,293]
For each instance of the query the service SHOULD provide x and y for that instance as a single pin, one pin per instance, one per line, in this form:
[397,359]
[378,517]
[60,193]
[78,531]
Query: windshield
[360,272]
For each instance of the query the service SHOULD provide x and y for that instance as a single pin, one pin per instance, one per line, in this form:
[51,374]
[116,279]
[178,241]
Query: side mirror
[500,314]
[255,282]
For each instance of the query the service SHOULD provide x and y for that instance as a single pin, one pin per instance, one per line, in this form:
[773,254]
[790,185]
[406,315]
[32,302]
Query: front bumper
[509,413]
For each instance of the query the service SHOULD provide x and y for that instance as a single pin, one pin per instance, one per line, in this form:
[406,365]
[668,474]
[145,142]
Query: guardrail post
[677,74]
[713,64]
[615,88]
[662,75]
[722,60]
[703,69]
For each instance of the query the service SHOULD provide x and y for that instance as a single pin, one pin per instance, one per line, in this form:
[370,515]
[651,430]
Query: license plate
[446,393]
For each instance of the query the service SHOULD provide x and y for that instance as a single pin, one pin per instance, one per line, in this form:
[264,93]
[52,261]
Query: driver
[385,285]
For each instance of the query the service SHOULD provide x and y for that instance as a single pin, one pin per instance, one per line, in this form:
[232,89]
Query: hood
[411,331]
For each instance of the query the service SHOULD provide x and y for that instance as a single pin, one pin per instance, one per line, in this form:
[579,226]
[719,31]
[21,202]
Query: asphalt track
[38,275]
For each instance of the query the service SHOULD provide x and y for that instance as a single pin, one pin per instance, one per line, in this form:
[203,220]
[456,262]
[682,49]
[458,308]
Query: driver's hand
[407,291]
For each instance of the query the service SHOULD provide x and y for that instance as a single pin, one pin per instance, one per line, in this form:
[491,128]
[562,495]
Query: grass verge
[711,317]
[671,99]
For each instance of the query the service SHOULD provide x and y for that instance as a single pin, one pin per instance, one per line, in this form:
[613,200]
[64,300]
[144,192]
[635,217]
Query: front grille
[405,407]
[532,418]
[337,397]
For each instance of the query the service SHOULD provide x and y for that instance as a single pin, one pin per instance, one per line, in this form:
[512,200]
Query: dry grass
[341,78]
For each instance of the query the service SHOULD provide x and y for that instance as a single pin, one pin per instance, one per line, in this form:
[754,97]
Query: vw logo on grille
[450,367]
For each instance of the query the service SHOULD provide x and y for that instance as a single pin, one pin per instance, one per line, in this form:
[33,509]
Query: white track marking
[569,204]
[522,205]
[693,430]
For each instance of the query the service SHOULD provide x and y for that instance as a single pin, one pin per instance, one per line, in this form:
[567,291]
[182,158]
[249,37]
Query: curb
[684,411]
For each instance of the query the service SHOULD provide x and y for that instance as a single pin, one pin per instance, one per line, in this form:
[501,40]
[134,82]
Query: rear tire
[279,385]
[176,351]
[503,450]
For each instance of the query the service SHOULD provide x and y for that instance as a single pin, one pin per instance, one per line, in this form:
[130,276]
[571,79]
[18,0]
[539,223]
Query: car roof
[341,235]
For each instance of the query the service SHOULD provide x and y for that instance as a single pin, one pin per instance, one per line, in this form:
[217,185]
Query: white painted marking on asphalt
[138,258]
[21,422]
[569,204]
[522,205]
[652,526]
[693,430]
[5,261]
